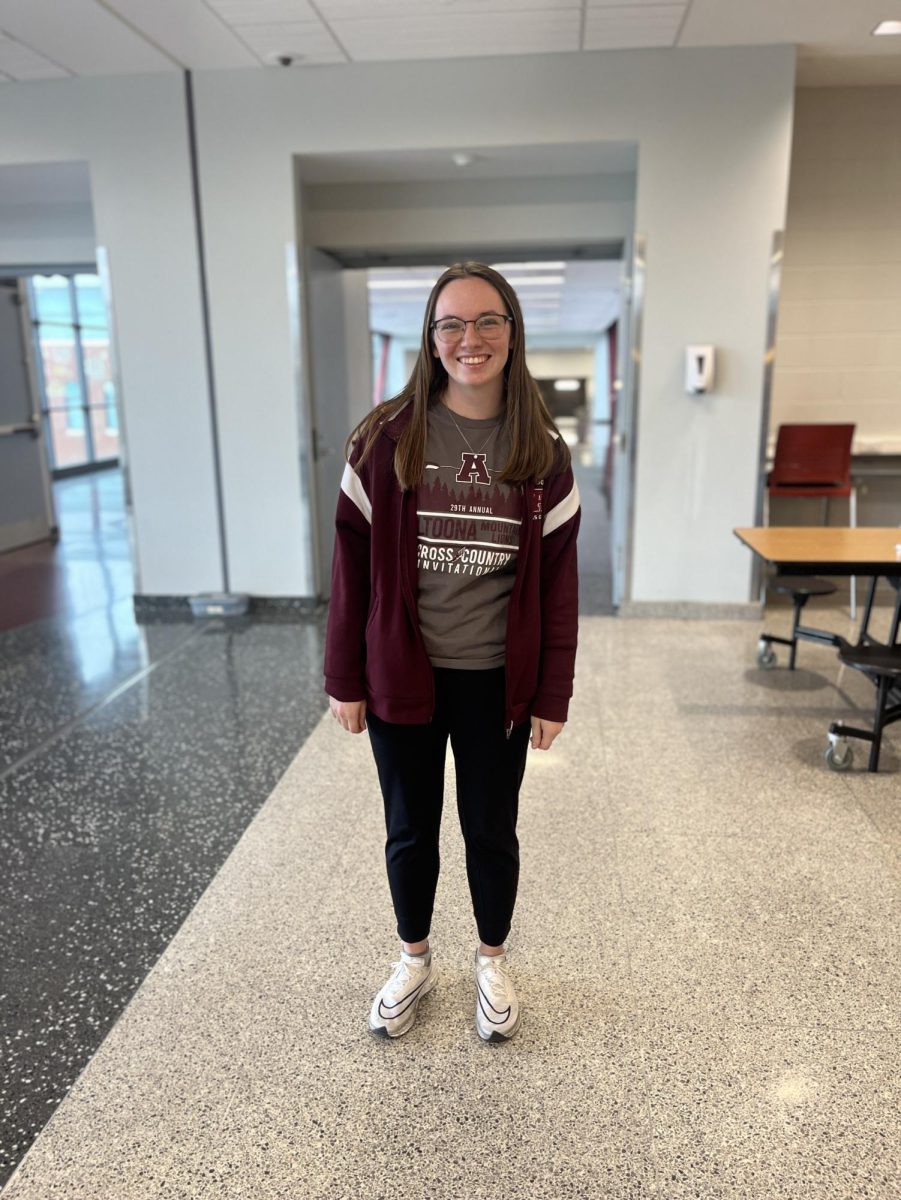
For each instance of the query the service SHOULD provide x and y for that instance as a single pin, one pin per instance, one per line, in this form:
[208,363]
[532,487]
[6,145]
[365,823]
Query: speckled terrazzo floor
[706,947]
[134,758]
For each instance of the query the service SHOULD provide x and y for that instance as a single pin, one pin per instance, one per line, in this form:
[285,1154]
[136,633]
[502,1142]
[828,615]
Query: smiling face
[474,363]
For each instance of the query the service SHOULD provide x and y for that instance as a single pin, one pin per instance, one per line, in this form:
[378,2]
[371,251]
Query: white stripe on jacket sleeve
[561,513]
[352,486]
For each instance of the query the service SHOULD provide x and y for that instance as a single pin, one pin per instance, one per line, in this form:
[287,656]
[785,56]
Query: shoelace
[401,976]
[496,976]
[400,972]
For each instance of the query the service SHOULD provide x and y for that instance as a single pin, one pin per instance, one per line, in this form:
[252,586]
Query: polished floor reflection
[132,759]
[113,823]
[88,568]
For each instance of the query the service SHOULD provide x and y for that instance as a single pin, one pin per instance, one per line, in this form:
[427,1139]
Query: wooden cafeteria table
[813,550]
[820,550]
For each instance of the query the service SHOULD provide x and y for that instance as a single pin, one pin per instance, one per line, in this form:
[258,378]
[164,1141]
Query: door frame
[625,435]
[628,355]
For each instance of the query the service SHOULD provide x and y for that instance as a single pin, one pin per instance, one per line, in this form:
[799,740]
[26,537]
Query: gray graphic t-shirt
[468,540]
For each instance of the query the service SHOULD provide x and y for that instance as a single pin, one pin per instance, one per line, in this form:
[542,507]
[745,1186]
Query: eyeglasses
[489,325]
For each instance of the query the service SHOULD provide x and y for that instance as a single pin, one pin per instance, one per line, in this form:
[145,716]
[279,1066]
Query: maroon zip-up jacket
[374,649]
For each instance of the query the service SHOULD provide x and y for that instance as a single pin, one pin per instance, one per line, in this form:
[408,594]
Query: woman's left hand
[544,732]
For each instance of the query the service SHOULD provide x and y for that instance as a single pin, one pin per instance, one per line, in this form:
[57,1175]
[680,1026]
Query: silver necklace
[472,448]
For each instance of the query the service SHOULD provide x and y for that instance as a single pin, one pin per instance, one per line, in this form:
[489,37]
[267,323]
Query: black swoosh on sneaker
[499,1020]
[410,998]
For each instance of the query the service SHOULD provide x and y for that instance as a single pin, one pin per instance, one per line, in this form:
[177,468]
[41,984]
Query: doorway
[65,545]
[571,309]
[395,219]
[73,369]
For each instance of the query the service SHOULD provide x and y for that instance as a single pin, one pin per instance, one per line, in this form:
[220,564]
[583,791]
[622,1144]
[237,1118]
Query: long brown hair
[534,454]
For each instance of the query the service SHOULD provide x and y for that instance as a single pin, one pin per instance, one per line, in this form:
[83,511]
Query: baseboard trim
[151,610]
[691,610]
[24,533]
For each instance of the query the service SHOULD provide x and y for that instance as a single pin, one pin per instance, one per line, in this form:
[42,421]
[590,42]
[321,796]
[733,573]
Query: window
[78,398]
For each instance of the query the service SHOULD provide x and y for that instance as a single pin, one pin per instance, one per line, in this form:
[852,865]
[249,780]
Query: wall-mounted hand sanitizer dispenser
[699,364]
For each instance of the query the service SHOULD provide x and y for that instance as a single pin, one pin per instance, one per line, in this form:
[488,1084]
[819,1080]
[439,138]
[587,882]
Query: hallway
[88,568]
[705,946]
[595,569]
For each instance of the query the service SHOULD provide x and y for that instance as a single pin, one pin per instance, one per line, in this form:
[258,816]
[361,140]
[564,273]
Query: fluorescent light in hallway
[530,266]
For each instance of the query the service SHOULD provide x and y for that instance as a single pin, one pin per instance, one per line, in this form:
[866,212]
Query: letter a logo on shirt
[473,469]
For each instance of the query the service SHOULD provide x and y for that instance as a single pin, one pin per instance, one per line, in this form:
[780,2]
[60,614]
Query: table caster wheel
[839,755]
[766,656]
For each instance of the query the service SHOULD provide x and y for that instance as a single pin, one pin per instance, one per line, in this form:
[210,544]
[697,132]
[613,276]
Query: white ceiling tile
[311,41]
[440,36]
[619,28]
[829,23]
[82,37]
[633,4]
[343,10]
[20,63]
[188,31]
[639,14]
[262,12]
[124,37]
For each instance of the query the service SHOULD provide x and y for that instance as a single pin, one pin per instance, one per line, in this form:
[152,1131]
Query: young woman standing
[453,615]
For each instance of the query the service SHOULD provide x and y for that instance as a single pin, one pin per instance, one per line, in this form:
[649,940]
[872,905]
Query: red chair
[815,461]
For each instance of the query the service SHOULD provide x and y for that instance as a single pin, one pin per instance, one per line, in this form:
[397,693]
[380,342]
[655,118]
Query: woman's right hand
[350,714]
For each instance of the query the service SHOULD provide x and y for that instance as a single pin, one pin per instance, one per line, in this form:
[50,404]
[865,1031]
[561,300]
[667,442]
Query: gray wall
[133,134]
[713,129]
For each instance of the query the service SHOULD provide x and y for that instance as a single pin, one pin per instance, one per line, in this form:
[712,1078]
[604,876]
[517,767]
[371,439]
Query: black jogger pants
[469,708]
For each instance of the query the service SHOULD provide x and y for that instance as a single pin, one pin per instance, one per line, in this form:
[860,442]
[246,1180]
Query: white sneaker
[497,1008]
[394,1008]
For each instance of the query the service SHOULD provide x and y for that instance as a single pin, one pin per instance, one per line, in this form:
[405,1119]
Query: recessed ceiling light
[530,266]
[566,385]
[887,29]
[426,284]
[536,281]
